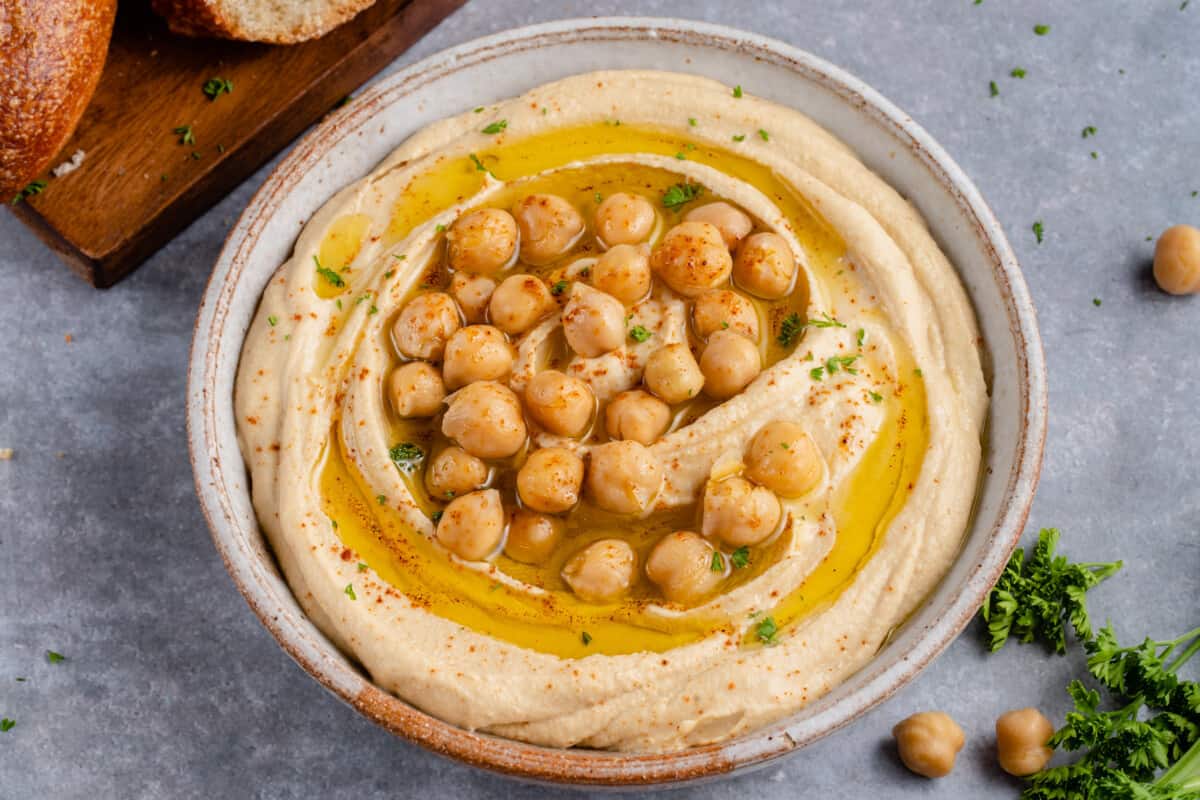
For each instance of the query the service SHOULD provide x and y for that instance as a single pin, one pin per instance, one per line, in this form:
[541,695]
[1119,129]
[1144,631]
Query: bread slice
[273,21]
[50,64]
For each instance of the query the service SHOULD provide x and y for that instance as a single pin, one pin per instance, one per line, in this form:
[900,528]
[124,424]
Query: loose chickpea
[476,353]
[482,241]
[723,310]
[453,472]
[485,419]
[739,513]
[416,390]
[623,477]
[928,743]
[784,458]
[624,272]
[733,223]
[681,565]
[550,479]
[519,302]
[1177,260]
[533,537]
[593,322]
[691,258]
[764,266]
[624,218]
[473,292]
[602,572]
[560,403]
[1021,738]
[424,326]
[637,416]
[729,362]
[472,525]
[549,225]
[673,374]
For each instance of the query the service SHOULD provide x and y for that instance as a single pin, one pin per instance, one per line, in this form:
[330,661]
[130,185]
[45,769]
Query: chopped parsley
[825,322]
[763,135]
[349,590]
[389,273]
[766,630]
[333,522]
[496,127]
[362,567]
[1090,130]
[1039,231]
[876,397]
[7,724]
[599,197]
[739,137]
[1094,155]
[718,562]
[680,194]
[185,133]
[479,167]
[737,91]
[680,156]
[692,121]
[440,228]
[993,89]
[1017,72]
[740,558]
[331,277]
[381,499]
[1097,302]
[816,373]
[437,516]
[55,658]
[406,456]
[639,333]
[789,329]
[479,109]
[559,287]
[1041,30]
[215,87]
[31,188]
[586,638]
[861,337]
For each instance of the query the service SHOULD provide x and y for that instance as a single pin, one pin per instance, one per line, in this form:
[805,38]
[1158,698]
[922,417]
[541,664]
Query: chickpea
[482,241]
[476,353]
[723,310]
[729,362]
[453,472]
[928,743]
[549,225]
[602,571]
[560,403]
[550,479]
[784,458]
[519,302]
[473,292]
[733,223]
[1177,260]
[424,326]
[533,537]
[472,525]
[593,322]
[484,418]
[764,266]
[623,477]
[681,565]
[624,272]
[673,374]
[624,218]
[416,390]
[692,257]
[739,513]
[1021,738]
[637,416]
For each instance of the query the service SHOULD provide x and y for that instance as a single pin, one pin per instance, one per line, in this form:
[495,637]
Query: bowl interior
[356,138]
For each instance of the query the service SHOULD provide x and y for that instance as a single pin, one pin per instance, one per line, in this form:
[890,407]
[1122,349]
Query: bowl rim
[320,658]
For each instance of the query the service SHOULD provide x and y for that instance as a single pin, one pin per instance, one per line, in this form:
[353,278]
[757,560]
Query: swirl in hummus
[631,413]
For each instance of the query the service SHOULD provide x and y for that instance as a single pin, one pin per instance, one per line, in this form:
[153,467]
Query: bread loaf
[50,63]
[274,21]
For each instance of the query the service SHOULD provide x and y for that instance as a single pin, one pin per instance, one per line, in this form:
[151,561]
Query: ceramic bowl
[352,141]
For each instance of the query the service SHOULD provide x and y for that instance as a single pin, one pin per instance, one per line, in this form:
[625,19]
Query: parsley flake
[739,137]
[639,333]
[437,516]
[816,373]
[55,658]
[1041,30]
[185,133]
[7,724]
[331,277]
[559,287]
[766,630]
[740,558]
[349,590]
[586,638]
[479,109]
[362,567]
[737,91]
[876,397]
[789,329]
[1090,130]
[496,127]
[381,499]
[479,167]
[1039,231]
[826,321]
[835,363]
[718,562]
[1017,72]
[763,135]
[993,89]
[692,121]
[215,87]
[860,337]
[680,194]
[1097,302]
[31,188]
[406,456]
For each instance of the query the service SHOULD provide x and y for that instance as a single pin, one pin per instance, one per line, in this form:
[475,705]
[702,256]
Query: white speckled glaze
[353,140]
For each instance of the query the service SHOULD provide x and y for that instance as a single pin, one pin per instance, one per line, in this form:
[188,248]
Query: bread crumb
[69,166]
[6,453]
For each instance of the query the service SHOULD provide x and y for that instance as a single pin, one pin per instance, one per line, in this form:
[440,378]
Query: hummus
[683,590]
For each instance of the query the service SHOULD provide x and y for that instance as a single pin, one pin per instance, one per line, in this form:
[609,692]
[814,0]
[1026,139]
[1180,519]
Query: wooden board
[140,184]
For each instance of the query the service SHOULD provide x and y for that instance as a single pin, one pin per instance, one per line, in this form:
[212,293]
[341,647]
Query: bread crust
[204,18]
[49,68]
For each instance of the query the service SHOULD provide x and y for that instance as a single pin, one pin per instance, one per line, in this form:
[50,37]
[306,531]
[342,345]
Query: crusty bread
[53,53]
[274,21]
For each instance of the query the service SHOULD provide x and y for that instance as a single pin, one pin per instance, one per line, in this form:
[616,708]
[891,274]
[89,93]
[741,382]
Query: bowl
[352,141]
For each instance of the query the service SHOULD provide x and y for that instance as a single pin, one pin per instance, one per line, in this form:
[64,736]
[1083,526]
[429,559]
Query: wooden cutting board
[142,181]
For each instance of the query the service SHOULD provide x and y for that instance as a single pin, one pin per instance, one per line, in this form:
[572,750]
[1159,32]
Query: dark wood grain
[139,185]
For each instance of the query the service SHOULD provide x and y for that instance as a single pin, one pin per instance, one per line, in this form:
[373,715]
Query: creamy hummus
[872,350]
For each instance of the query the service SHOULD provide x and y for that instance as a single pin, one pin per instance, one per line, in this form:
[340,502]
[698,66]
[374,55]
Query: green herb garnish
[766,630]
[763,135]
[835,363]
[737,91]
[789,329]
[680,194]
[718,562]
[215,87]
[349,590]
[586,638]
[993,89]
[31,188]
[496,127]
[7,724]
[740,558]
[559,287]
[825,321]
[55,658]
[739,137]
[1039,231]
[1017,72]
[362,567]
[437,516]
[1041,30]
[639,333]
[186,136]
[331,277]
[1090,130]
[406,456]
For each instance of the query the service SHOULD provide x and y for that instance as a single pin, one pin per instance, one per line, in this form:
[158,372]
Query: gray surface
[171,688]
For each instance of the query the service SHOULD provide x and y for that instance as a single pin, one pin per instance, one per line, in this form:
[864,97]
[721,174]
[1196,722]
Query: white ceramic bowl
[352,141]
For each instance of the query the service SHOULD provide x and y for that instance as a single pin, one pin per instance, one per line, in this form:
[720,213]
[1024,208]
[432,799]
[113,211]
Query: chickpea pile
[503,494]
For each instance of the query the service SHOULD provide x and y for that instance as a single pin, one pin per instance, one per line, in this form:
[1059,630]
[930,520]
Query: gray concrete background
[172,689]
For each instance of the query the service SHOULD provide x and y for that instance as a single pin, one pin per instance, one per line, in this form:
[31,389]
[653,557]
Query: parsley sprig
[681,194]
